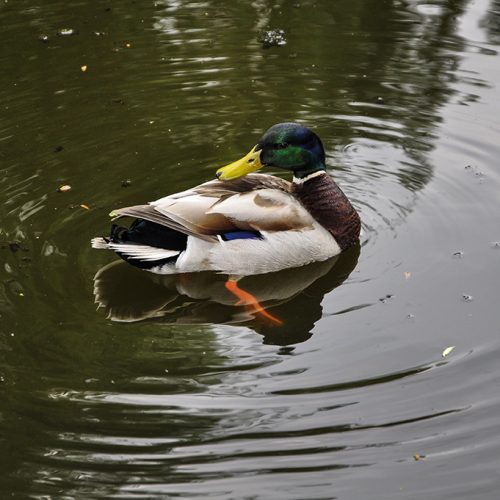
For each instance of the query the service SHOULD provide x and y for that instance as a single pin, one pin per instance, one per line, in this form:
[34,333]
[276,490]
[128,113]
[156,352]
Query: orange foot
[250,302]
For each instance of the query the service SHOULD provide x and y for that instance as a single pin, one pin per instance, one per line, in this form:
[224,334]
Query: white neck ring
[299,180]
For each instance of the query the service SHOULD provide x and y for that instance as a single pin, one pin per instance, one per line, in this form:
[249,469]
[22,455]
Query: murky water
[169,389]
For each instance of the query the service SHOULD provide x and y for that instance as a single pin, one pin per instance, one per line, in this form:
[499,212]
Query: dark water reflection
[198,396]
[292,296]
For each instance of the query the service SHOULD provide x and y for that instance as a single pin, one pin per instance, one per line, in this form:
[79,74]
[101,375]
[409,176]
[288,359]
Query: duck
[244,223]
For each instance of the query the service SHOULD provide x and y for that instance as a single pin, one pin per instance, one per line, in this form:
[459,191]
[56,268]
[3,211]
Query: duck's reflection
[289,300]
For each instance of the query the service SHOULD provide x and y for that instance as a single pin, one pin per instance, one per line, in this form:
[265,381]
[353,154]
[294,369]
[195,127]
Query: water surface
[168,389]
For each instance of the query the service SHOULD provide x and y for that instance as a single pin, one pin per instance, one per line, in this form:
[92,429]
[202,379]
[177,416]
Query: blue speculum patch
[241,235]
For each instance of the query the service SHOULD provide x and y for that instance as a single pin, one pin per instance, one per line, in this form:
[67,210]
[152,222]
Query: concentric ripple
[381,381]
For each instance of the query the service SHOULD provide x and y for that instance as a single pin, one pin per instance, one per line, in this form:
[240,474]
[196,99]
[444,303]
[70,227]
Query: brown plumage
[327,203]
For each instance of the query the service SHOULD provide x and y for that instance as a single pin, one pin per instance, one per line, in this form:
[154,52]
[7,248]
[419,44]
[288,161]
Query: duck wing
[255,202]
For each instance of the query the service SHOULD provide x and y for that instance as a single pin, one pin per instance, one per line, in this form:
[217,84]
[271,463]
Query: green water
[128,385]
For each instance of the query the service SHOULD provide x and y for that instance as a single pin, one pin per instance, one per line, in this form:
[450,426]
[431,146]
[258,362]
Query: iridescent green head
[289,146]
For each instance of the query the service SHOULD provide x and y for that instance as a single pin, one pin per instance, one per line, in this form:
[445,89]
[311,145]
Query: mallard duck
[244,223]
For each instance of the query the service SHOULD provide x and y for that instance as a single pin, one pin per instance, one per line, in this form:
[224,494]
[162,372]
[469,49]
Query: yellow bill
[249,163]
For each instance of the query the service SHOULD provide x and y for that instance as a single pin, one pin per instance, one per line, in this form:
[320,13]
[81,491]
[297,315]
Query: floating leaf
[447,351]
[84,68]
[64,188]
[86,207]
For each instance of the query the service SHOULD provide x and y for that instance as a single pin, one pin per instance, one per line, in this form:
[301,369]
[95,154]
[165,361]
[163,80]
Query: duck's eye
[251,160]
[281,145]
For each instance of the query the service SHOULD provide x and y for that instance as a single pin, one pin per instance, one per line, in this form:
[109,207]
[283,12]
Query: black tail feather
[148,233]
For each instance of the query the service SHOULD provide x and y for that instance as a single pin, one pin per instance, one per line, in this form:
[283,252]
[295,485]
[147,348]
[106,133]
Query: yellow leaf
[86,207]
[84,68]
[447,351]
[64,188]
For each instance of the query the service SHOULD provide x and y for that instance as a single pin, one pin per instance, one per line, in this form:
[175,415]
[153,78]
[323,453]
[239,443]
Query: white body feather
[275,251]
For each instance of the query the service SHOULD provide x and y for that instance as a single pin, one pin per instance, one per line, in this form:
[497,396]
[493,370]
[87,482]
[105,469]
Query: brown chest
[327,203]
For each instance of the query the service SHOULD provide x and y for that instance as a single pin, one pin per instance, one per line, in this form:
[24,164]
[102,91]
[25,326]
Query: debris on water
[410,316]
[380,100]
[272,38]
[418,456]
[286,350]
[407,275]
[447,351]
[496,244]
[58,149]
[467,298]
[386,298]
[100,33]
[86,207]
[14,287]
[43,38]
[14,246]
[63,188]
[126,183]
[67,32]
[458,254]
[475,171]
[118,101]
[84,68]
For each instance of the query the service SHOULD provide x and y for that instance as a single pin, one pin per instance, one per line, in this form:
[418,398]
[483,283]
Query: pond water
[131,386]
